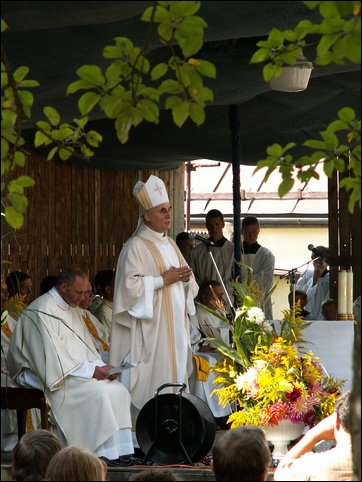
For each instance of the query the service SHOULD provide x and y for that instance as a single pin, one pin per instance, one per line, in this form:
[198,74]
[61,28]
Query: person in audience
[223,254]
[9,422]
[33,453]
[185,244]
[302,463]
[160,474]
[52,350]
[300,297]
[106,288]
[76,463]
[318,251]
[329,309]
[19,283]
[317,288]
[96,328]
[241,454]
[47,283]
[259,258]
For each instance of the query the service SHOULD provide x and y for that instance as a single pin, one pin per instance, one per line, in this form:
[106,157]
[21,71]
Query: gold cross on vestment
[158,189]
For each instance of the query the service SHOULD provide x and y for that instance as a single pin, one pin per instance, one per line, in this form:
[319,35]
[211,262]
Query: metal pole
[234,124]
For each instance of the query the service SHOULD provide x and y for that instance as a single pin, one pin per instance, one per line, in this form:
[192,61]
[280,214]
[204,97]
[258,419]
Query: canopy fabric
[55,38]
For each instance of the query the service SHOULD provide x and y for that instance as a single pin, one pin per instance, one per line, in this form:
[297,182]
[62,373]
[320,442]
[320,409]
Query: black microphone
[200,238]
[315,251]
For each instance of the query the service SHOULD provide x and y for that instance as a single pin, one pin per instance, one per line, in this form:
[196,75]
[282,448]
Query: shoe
[120,462]
[138,461]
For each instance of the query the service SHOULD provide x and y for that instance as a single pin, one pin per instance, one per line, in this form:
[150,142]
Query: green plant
[267,373]
[128,91]
[339,35]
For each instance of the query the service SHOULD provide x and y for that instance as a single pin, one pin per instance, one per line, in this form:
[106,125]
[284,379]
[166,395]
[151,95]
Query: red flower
[293,395]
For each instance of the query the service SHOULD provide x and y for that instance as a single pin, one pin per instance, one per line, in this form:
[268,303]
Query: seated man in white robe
[52,350]
[203,388]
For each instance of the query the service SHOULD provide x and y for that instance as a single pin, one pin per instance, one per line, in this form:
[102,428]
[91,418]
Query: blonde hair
[76,463]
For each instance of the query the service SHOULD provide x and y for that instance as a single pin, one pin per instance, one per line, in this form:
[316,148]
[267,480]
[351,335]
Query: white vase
[281,435]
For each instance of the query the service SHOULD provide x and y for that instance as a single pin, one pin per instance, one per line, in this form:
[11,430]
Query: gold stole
[166,299]
[93,331]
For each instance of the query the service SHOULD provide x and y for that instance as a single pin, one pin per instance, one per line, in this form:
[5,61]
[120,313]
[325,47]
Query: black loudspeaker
[175,428]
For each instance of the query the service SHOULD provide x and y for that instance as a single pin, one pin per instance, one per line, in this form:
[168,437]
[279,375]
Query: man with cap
[154,291]
[317,287]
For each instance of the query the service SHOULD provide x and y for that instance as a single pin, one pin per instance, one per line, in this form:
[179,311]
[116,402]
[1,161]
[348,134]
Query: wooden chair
[22,400]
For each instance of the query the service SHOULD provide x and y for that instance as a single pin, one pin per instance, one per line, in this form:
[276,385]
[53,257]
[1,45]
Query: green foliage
[339,36]
[128,91]
[326,151]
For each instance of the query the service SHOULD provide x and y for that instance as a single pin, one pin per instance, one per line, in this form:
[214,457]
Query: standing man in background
[259,258]
[200,259]
[154,292]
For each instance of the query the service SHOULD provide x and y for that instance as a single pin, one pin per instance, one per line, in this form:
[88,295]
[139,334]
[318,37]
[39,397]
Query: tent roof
[55,38]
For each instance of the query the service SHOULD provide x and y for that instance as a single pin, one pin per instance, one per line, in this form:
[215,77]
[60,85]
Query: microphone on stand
[200,238]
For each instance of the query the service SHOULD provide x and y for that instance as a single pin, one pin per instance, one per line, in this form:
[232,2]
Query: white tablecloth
[332,342]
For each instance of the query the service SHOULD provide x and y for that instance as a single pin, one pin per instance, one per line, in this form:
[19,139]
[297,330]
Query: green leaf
[285,186]
[87,102]
[25,181]
[77,85]
[52,115]
[18,200]
[40,139]
[260,55]
[149,110]
[28,83]
[92,74]
[161,14]
[20,73]
[64,154]
[52,153]
[27,100]
[173,101]
[197,114]
[159,71]
[19,159]
[206,68]
[184,9]
[347,114]
[180,113]
[14,218]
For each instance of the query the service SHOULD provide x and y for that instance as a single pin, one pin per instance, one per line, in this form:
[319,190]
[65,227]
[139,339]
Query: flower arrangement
[269,376]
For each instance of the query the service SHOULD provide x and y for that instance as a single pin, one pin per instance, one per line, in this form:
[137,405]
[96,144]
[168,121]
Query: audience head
[154,474]
[329,309]
[104,281]
[19,283]
[47,284]
[300,296]
[241,454]
[185,244]
[32,454]
[76,463]
[250,229]
[215,224]
[211,294]
[72,285]
[342,408]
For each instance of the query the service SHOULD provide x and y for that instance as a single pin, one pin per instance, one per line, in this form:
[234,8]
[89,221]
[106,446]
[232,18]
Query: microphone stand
[232,309]
[290,275]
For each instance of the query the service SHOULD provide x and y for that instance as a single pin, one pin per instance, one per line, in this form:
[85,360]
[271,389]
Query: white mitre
[151,194]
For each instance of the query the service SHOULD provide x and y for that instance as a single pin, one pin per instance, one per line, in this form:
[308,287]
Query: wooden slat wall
[79,215]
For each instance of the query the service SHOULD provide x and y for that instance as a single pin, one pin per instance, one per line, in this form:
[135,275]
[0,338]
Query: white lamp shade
[293,78]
